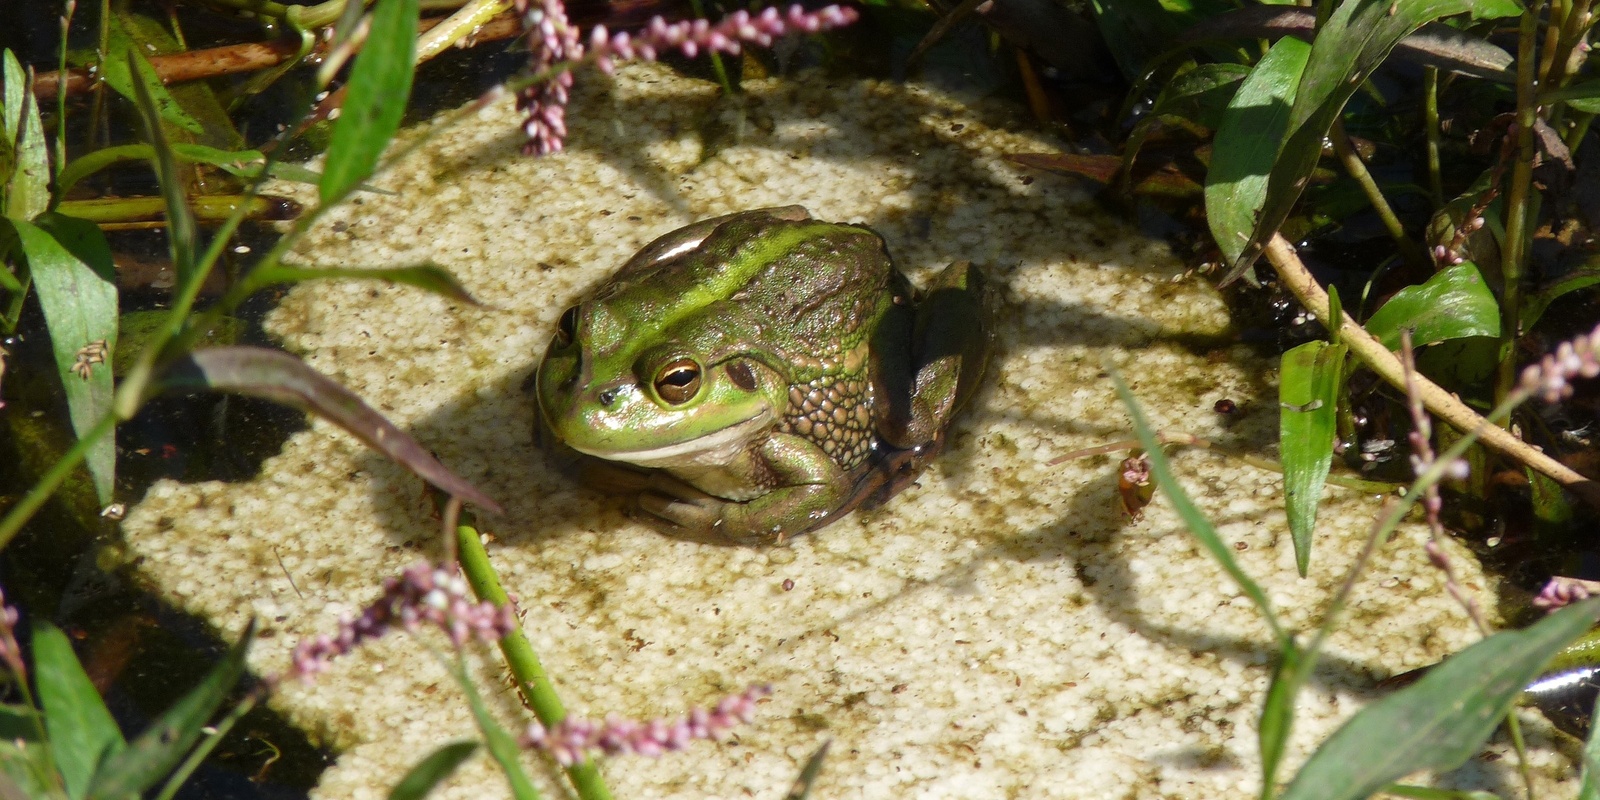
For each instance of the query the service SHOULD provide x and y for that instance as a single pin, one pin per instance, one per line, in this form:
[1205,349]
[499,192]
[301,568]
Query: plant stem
[1430,123]
[458,26]
[1518,205]
[192,762]
[532,681]
[1357,169]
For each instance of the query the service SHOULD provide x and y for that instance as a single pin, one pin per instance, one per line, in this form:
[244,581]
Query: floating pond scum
[999,630]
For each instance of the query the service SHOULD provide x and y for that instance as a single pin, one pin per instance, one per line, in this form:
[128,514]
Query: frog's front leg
[808,488]
[930,360]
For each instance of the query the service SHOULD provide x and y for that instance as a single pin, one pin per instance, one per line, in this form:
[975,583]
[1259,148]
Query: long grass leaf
[375,98]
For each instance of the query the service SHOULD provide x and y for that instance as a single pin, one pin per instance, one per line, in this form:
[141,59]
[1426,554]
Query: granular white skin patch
[998,630]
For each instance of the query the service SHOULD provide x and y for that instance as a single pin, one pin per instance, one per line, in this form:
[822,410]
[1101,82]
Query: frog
[755,376]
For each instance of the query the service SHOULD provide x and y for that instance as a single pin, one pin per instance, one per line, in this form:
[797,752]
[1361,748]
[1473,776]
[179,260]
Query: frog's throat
[713,449]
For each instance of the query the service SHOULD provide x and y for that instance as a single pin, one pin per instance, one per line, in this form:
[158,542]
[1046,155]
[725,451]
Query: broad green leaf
[125,68]
[76,285]
[1495,9]
[1247,143]
[1441,720]
[1354,41]
[28,191]
[430,771]
[1308,394]
[282,378]
[159,749]
[1453,304]
[502,747]
[82,732]
[427,276]
[375,98]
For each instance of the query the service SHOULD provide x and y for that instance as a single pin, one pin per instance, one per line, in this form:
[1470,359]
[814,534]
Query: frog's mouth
[712,449]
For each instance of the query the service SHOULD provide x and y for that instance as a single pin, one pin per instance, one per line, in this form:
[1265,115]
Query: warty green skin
[756,376]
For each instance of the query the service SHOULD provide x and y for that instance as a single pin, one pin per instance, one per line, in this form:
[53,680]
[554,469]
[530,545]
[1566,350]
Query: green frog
[756,376]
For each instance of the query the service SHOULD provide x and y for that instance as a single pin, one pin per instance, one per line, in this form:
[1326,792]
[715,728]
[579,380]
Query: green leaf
[126,70]
[1441,720]
[26,772]
[76,285]
[1589,789]
[18,721]
[182,237]
[1201,94]
[502,746]
[1247,143]
[809,773]
[1453,304]
[282,378]
[82,733]
[28,190]
[1533,307]
[1354,41]
[1195,521]
[1308,395]
[375,98]
[1495,9]
[422,778]
[161,746]
[426,276]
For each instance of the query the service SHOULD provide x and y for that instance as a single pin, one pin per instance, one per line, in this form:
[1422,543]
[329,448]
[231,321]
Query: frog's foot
[931,360]
[679,509]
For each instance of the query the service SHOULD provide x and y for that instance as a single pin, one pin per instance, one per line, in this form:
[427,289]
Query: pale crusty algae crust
[1000,630]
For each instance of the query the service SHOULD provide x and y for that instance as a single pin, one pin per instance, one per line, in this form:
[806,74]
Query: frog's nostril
[607,397]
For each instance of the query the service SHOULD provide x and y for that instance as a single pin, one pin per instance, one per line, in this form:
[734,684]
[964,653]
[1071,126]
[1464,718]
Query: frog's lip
[718,447]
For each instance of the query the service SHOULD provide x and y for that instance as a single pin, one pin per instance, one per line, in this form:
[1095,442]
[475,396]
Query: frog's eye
[568,326]
[678,381]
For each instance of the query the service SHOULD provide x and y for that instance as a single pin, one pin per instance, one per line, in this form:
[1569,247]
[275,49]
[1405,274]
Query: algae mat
[998,630]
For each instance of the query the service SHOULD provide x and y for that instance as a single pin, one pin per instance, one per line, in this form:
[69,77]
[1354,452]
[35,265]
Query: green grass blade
[182,236]
[148,758]
[375,98]
[1308,387]
[502,747]
[1197,523]
[1441,720]
[72,274]
[82,732]
[422,778]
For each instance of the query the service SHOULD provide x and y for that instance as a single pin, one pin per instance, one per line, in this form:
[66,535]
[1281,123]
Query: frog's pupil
[678,377]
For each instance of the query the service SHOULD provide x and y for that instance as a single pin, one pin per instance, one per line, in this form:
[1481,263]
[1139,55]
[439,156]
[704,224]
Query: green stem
[1519,204]
[192,762]
[1357,169]
[52,480]
[531,678]
[1430,123]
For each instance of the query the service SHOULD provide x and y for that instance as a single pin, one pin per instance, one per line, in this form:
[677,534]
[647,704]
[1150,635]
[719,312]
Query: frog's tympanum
[756,376]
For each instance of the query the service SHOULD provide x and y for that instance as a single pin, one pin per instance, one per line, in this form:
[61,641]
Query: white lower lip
[718,447]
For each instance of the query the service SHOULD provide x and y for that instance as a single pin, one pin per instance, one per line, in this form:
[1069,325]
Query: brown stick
[234,59]
[1439,402]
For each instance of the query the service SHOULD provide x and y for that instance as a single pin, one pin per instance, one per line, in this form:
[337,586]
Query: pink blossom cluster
[1561,592]
[555,44]
[1550,378]
[435,594]
[10,652]
[570,740]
